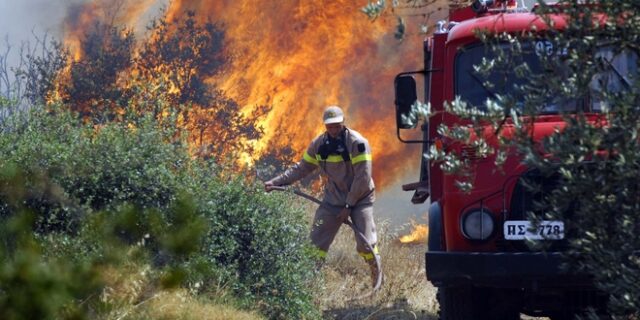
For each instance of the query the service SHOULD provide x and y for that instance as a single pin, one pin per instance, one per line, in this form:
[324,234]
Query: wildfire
[297,57]
[419,234]
[84,15]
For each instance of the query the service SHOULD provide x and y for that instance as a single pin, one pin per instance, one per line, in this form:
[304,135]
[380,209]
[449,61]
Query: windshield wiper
[617,72]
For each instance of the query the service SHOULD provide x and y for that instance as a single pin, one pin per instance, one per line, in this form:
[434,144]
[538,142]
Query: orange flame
[419,234]
[298,57]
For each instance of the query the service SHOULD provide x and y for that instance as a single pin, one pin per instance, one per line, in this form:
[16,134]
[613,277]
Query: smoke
[393,205]
[24,20]
[18,19]
[21,24]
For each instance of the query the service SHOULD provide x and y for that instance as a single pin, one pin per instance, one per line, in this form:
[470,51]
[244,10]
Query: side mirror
[406,96]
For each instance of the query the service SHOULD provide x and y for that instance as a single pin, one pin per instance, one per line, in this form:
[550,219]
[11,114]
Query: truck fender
[435,241]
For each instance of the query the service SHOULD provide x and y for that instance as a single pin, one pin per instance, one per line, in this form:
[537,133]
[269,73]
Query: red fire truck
[477,256]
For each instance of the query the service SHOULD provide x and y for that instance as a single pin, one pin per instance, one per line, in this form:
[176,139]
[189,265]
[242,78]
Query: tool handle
[298,193]
[369,246]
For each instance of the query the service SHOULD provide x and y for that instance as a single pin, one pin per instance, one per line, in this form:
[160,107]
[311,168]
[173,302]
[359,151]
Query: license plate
[523,229]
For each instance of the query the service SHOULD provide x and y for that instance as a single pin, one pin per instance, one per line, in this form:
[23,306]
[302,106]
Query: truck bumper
[502,269]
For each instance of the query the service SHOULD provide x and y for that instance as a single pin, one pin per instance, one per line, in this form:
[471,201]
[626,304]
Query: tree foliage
[403,9]
[76,202]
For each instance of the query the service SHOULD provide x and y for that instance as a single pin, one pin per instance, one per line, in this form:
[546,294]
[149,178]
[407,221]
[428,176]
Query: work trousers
[326,225]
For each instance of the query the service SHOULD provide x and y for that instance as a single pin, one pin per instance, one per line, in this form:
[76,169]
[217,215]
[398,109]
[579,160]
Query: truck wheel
[468,303]
[456,303]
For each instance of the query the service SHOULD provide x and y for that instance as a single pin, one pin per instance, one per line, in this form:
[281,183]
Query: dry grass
[132,293]
[405,294]
[179,304]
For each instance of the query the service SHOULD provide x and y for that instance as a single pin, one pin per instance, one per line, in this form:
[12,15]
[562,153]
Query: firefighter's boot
[375,270]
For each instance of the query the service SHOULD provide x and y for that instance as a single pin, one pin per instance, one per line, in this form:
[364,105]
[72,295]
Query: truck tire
[468,303]
[456,303]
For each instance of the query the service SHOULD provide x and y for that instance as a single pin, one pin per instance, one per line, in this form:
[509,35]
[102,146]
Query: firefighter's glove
[344,214]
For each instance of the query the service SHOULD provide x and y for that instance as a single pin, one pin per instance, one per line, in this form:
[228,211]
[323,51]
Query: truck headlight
[477,224]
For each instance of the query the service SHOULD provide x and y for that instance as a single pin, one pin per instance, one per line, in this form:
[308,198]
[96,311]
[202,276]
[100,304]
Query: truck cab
[477,256]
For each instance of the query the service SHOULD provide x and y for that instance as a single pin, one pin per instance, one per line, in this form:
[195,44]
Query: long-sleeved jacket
[349,182]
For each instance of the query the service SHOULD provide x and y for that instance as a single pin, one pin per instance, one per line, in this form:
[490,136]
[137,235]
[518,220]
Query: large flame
[298,57]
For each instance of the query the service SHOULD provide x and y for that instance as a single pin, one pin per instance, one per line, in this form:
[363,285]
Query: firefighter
[343,155]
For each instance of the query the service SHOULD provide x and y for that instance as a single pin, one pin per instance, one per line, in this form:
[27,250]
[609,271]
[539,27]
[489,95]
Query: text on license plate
[523,229]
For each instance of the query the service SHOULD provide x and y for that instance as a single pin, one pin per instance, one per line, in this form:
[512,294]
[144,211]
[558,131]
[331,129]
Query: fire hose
[357,232]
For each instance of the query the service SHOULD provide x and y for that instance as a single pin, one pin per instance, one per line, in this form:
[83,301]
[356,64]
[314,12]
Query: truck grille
[525,200]
[469,153]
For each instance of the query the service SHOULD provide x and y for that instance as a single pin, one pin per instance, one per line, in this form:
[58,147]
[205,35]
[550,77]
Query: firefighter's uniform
[349,183]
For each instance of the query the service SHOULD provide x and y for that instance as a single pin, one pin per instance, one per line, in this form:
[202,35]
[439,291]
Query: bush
[117,185]
[262,239]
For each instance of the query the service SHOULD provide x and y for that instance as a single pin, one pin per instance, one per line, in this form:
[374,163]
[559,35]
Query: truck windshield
[475,88]
[620,71]
[619,68]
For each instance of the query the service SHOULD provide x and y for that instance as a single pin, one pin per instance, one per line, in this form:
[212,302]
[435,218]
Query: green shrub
[263,238]
[32,284]
[93,191]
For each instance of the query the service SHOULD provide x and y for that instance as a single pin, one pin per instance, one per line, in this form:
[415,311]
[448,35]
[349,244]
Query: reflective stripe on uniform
[338,158]
[366,255]
[306,157]
[332,158]
[320,253]
[360,158]
[369,255]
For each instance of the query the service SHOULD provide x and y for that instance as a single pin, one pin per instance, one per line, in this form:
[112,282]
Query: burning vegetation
[114,76]
[246,82]
[244,79]
[419,234]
